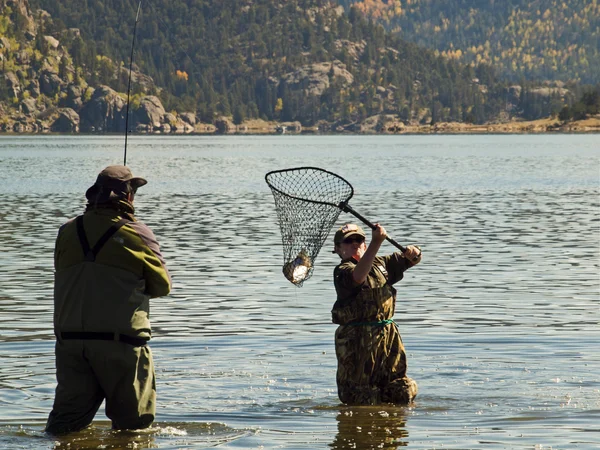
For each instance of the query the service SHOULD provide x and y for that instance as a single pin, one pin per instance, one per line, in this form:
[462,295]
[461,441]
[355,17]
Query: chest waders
[90,256]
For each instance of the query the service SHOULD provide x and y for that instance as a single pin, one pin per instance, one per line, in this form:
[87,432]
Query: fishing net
[308,202]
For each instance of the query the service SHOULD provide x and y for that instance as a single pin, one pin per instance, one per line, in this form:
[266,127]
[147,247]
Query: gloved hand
[413,254]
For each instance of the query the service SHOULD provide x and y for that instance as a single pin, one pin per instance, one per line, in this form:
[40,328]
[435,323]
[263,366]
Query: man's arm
[158,279]
[363,267]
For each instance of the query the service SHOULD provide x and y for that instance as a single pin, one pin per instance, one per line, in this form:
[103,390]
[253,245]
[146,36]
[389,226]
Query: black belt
[99,336]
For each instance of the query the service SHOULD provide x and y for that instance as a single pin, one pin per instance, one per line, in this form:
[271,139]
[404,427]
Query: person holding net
[371,357]
[370,354]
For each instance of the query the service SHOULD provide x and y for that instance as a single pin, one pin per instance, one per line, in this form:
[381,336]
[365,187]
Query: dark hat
[114,182]
[346,231]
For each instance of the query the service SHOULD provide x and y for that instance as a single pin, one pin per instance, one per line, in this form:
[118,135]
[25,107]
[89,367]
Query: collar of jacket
[122,207]
[351,259]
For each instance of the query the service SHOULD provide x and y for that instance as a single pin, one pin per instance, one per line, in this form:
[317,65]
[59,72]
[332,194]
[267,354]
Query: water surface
[500,320]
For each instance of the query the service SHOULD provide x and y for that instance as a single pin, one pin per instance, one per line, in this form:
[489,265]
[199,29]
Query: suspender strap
[90,254]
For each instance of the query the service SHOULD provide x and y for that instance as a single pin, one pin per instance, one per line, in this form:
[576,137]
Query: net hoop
[269,178]
[308,201]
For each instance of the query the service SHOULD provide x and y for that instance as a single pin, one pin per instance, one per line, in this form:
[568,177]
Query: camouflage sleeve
[396,264]
[343,281]
[158,279]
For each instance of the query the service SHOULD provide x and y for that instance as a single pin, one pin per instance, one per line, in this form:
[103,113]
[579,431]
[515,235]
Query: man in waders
[371,357]
[107,268]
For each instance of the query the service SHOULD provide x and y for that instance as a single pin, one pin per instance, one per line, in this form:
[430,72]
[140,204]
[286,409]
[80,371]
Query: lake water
[501,320]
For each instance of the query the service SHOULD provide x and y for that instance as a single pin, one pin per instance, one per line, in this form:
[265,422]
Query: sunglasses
[351,239]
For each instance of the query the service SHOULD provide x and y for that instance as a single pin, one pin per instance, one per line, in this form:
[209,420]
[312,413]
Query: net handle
[347,208]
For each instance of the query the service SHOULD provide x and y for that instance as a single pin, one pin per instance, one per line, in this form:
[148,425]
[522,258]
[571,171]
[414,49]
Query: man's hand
[413,254]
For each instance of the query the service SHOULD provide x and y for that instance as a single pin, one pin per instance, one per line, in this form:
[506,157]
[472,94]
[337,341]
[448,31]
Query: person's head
[114,183]
[349,241]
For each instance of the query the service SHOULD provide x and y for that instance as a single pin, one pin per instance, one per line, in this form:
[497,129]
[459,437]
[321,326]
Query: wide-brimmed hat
[347,230]
[114,182]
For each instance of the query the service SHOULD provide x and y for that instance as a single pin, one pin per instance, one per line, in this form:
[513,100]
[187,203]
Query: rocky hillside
[42,88]
[295,61]
[237,65]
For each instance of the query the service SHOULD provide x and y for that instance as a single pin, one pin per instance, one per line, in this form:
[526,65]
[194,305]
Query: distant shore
[390,127]
[590,125]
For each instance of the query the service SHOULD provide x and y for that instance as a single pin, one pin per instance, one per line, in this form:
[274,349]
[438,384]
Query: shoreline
[391,128]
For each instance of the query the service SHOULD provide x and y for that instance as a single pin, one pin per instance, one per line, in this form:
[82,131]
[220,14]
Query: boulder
[189,118]
[67,122]
[4,43]
[142,82]
[225,125]
[73,103]
[354,49]
[34,88]
[28,106]
[12,83]
[104,112]
[73,99]
[20,127]
[314,79]
[150,111]
[52,42]
[143,128]
[23,58]
[170,118]
[42,126]
[179,127]
[50,83]
[292,127]
[22,6]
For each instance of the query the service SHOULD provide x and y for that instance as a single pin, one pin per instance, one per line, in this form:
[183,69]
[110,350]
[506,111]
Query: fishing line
[165,26]
[137,16]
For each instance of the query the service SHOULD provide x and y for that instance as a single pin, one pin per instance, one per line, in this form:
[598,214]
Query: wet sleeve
[156,274]
[396,264]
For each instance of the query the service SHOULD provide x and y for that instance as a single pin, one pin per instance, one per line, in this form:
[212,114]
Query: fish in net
[307,200]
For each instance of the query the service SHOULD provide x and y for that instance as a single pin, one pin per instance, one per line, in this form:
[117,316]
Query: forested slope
[299,60]
[534,39]
[295,60]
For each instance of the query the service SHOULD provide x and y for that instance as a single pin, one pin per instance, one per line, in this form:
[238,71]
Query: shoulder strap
[90,254]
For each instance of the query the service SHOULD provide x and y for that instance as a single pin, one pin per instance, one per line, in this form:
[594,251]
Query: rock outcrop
[314,79]
[104,112]
[150,113]
[67,122]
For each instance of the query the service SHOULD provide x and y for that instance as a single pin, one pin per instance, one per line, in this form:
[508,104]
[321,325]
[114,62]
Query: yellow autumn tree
[279,105]
[181,75]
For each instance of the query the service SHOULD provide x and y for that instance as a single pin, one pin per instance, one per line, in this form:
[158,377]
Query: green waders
[93,366]
[89,371]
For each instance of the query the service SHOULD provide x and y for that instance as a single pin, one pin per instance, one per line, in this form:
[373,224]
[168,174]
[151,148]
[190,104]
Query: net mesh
[306,200]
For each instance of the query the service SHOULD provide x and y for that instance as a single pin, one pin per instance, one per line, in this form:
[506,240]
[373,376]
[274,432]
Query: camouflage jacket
[375,299]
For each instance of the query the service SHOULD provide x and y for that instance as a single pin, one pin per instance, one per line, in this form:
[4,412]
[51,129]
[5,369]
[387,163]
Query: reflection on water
[500,320]
[100,436]
[371,427]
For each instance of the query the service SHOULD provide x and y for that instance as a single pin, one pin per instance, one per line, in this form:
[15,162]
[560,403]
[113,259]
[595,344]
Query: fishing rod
[137,16]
